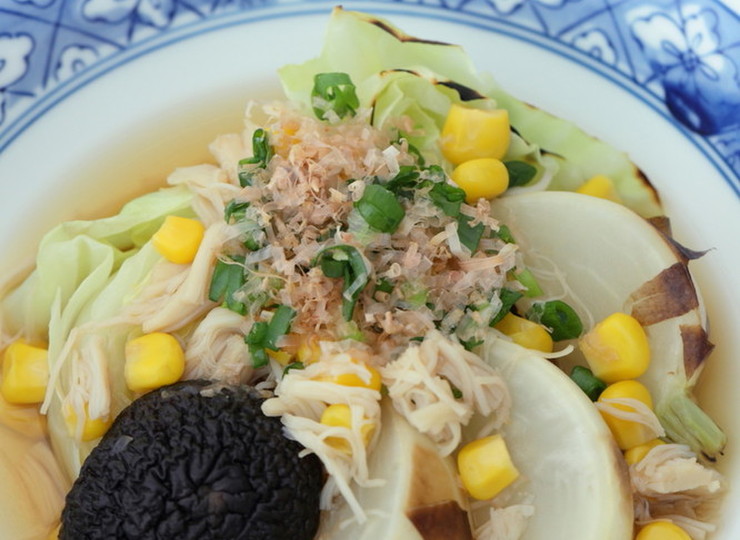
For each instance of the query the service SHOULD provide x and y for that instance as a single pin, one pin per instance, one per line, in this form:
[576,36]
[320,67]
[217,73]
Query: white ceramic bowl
[100,100]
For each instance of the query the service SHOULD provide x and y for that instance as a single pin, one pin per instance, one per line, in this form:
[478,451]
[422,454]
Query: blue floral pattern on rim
[684,53]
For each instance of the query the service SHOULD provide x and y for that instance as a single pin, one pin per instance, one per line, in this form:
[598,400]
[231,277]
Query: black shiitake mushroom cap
[192,462]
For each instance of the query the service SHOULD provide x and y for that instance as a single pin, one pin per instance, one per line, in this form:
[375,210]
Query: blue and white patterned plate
[100,98]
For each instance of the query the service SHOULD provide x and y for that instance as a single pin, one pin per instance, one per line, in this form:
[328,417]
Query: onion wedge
[571,470]
[420,499]
[601,257]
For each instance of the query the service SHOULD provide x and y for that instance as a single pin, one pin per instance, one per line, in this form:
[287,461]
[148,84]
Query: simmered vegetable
[419,498]
[620,262]
[581,476]
[391,78]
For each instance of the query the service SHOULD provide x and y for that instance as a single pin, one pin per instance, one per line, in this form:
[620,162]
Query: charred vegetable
[419,499]
[195,461]
[620,262]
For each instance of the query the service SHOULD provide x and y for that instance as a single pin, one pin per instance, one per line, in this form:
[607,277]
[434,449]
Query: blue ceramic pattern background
[685,53]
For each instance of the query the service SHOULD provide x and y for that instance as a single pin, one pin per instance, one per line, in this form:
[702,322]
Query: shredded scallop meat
[671,483]
[423,383]
[636,412]
[216,350]
[506,523]
[301,397]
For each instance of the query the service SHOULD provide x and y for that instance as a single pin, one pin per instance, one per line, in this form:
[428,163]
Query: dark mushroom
[195,461]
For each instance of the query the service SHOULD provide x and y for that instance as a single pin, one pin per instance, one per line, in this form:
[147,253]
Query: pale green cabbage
[398,74]
[86,271]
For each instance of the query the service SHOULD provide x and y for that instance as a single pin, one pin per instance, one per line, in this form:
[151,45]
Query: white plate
[99,100]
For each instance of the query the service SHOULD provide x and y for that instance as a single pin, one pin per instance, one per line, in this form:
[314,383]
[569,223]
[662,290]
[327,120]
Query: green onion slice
[262,152]
[228,277]
[263,336]
[447,197]
[563,321]
[380,208]
[293,365]
[508,298]
[348,263]
[469,236]
[586,381]
[235,211]
[520,172]
[504,233]
[383,285]
[334,92]
[526,278]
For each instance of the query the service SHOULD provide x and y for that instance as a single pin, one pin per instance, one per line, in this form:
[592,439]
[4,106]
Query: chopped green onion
[559,317]
[261,154]
[406,179]
[470,344]
[526,278]
[586,381]
[279,325]
[414,295]
[293,365]
[333,268]
[447,197]
[350,330]
[520,172]
[380,209]
[435,173]
[246,178]
[384,285]
[252,244]
[235,211]
[508,298]
[413,150]
[261,149]
[263,336]
[255,340]
[334,92]
[504,233]
[228,277]
[469,236]
[353,270]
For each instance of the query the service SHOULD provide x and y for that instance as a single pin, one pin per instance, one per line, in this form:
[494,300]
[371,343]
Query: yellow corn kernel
[526,333]
[617,348]
[178,239]
[635,454]
[340,415]
[25,373]
[485,467]
[92,428]
[281,357]
[352,379]
[483,178]
[309,351]
[475,133]
[662,530]
[628,434]
[153,360]
[600,186]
